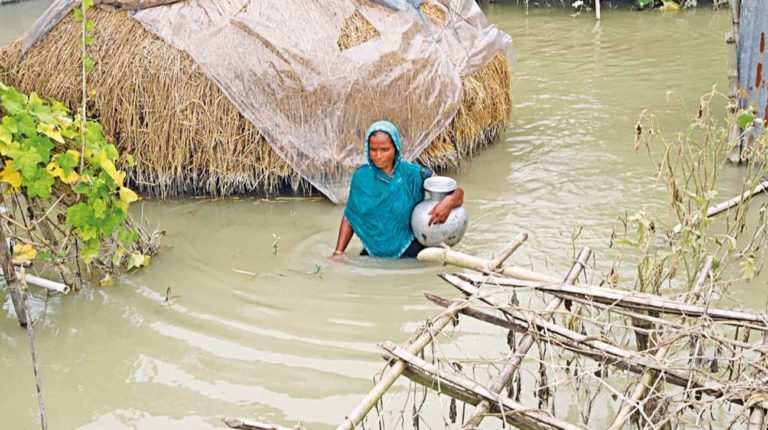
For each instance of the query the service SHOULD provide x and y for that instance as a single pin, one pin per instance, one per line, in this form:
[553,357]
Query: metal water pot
[450,232]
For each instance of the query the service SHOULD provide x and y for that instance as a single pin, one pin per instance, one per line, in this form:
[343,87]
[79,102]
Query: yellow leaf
[10,176]
[106,281]
[109,167]
[147,259]
[127,195]
[56,171]
[50,131]
[24,252]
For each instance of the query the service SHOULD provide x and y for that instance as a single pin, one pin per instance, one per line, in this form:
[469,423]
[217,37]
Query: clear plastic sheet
[280,65]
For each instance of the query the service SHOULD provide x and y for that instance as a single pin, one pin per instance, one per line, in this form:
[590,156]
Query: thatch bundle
[184,133]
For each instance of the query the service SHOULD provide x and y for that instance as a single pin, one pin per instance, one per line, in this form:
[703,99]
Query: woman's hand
[441,211]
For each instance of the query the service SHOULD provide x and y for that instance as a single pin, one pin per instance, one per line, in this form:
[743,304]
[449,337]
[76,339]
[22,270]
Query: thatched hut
[259,100]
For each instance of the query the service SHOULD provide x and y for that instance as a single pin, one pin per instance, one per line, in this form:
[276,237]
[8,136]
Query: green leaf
[6,135]
[99,208]
[88,4]
[9,123]
[127,236]
[745,119]
[90,250]
[88,63]
[67,161]
[130,161]
[40,185]
[43,146]
[78,15]
[26,124]
[25,160]
[80,216]
[89,26]
[44,255]
[14,102]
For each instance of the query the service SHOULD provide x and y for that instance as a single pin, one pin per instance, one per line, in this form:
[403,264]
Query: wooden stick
[757,415]
[414,347]
[635,401]
[518,414]
[605,353]
[243,424]
[525,344]
[629,299]
[597,10]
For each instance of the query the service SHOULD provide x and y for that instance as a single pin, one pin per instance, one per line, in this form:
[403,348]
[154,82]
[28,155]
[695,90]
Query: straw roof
[185,135]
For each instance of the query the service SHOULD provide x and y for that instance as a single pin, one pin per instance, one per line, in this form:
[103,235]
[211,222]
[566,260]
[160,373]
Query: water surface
[260,324]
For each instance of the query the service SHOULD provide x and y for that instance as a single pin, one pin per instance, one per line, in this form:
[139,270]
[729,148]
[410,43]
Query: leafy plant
[37,137]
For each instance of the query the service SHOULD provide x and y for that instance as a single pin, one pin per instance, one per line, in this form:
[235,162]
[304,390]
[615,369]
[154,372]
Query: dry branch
[646,380]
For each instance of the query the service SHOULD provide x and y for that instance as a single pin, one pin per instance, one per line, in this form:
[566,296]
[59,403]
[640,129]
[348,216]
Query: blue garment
[379,206]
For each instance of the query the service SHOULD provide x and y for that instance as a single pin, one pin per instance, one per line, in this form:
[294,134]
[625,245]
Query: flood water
[260,324]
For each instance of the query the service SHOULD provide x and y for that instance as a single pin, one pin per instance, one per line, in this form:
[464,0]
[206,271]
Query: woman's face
[382,151]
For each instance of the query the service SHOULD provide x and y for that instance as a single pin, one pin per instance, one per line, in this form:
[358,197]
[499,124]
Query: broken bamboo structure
[541,326]
[489,295]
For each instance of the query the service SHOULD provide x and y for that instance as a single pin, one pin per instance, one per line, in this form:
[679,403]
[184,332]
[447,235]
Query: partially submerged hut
[238,97]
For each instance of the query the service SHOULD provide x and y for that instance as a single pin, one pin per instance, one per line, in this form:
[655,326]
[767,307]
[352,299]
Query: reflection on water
[259,323]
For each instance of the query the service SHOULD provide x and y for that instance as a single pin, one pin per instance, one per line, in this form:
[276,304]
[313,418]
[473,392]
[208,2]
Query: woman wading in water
[382,196]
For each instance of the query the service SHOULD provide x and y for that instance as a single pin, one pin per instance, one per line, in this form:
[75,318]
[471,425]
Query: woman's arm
[441,211]
[345,235]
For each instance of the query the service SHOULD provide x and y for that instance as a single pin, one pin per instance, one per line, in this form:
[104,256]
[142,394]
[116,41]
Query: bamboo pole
[605,353]
[35,366]
[519,415]
[757,415]
[243,424]
[449,256]
[635,401]
[597,10]
[414,347]
[525,344]
[629,299]
[17,293]
[734,201]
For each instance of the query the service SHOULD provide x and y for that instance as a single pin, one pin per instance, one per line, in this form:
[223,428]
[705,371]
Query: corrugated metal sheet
[751,53]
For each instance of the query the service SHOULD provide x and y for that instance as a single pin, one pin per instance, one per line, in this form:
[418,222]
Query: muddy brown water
[293,339]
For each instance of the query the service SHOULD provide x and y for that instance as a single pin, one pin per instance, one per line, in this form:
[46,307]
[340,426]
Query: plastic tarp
[279,64]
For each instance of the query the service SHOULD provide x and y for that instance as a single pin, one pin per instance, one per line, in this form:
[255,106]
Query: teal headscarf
[379,206]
